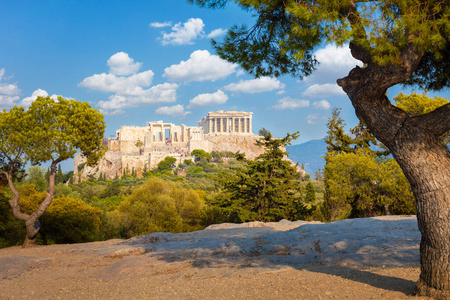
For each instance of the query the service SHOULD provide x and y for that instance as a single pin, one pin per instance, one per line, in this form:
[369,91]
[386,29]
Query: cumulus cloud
[9,93]
[335,62]
[160,25]
[323,90]
[121,64]
[184,34]
[39,92]
[202,100]
[315,119]
[200,66]
[322,104]
[131,90]
[131,85]
[259,85]
[162,93]
[289,103]
[173,111]
[216,32]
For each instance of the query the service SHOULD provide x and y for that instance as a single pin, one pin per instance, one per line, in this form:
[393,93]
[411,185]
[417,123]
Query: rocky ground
[375,258]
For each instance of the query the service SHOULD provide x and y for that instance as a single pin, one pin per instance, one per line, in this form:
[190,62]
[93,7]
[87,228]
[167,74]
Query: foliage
[416,105]
[167,163]
[36,176]
[359,181]
[360,186]
[201,154]
[265,188]
[157,206]
[70,220]
[63,190]
[48,130]
[287,32]
[310,196]
[263,132]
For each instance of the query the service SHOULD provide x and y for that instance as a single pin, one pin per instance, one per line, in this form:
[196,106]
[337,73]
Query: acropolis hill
[142,148]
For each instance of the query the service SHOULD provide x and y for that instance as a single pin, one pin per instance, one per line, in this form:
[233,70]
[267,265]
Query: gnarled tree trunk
[31,221]
[414,142]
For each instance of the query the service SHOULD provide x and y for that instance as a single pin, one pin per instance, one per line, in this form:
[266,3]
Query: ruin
[142,148]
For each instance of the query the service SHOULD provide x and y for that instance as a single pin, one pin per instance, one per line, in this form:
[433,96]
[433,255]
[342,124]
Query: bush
[157,206]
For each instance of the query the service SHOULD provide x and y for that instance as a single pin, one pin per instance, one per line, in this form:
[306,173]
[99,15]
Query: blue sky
[140,61]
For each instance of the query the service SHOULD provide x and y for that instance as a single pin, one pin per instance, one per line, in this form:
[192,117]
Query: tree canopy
[287,32]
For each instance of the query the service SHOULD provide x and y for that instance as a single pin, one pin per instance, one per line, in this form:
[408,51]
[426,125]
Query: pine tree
[266,188]
[310,196]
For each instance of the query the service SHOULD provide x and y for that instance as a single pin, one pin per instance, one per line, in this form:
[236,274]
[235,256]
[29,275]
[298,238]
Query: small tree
[167,163]
[310,196]
[263,132]
[52,131]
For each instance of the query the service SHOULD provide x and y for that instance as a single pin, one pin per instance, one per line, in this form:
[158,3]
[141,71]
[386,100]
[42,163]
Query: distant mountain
[309,154]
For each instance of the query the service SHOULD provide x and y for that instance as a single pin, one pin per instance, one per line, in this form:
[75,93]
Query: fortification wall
[236,143]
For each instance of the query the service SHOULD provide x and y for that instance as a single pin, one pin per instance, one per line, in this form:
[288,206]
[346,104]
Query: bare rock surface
[373,258]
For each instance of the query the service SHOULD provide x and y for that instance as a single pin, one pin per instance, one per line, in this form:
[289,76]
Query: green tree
[48,131]
[399,42]
[59,177]
[160,206]
[310,196]
[201,154]
[263,132]
[36,176]
[359,181]
[167,163]
[266,187]
[416,105]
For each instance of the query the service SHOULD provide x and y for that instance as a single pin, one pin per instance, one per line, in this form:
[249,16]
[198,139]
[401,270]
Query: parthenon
[227,122]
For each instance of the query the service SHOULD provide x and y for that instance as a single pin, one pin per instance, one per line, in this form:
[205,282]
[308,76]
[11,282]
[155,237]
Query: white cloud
[240,72]
[289,103]
[39,92]
[173,111]
[9,93]
[322,104]
[216,32]
[162,93]
[129,91]
[121,64]
[184,34]
[160,25]
[323,90]
[131,85]
[202,100]
[200,66]
[335,62]
[259,85]
[315,119]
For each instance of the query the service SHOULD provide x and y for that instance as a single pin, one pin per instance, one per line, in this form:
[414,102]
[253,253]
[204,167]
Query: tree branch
[14,201]
[437,121]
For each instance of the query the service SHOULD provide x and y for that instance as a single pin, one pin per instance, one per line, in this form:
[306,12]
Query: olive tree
[399,42]
[48,131]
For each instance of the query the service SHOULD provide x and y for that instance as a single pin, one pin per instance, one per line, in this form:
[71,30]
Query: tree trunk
[31,221]
[33,227]
[414,142]
[426,164]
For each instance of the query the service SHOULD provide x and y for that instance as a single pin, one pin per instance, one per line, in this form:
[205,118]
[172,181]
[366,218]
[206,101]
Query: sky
[141,61]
